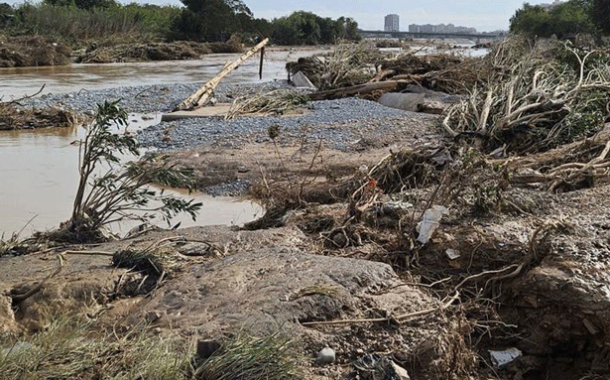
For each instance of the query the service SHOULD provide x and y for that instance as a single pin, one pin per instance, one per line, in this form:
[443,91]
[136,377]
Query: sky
[485,15]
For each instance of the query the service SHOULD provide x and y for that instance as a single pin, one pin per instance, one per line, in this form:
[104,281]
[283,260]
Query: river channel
[38,168]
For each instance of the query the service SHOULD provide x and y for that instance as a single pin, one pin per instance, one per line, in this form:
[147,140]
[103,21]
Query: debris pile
[13,117]
[33,51]
[179,50]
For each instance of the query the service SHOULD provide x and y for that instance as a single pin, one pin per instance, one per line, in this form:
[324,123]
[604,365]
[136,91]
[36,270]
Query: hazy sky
[484,15]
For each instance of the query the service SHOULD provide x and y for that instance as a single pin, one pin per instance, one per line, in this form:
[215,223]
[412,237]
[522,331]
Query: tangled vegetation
[535,99]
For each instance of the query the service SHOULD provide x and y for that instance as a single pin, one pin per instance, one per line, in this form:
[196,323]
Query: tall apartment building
[392,23]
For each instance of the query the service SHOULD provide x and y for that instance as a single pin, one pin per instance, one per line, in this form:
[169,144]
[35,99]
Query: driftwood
[201,96]
[431,106]
[361,89]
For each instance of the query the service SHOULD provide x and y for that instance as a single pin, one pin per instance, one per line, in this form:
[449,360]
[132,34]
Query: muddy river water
[38,168]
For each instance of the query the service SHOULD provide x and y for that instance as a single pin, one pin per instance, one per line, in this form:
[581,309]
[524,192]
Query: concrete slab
[219,110]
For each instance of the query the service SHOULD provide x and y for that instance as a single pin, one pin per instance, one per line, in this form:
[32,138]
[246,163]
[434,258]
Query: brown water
[38,169]
[17,82]
[39,175]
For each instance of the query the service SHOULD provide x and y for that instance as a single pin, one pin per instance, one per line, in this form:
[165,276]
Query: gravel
[334,121]
[341,123]
[148,98]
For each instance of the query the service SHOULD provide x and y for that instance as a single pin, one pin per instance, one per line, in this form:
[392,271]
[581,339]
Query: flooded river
[38,169]
[16,82]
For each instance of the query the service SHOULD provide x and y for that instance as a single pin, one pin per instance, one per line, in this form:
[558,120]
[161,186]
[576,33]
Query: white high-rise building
[392,23]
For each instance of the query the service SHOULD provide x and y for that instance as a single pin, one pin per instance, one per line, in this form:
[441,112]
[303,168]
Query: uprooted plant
[533,100]
[121,193]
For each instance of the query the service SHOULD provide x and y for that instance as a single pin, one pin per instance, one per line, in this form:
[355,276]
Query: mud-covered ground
[338,261]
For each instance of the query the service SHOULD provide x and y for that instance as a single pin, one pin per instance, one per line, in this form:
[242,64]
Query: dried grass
[72,350]
[276,102]
[13,117]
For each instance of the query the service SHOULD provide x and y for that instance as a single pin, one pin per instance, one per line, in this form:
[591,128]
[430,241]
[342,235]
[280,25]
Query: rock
[326,356]
[207,348]
[300,80]
[263,288]
[195,249]
[406,102]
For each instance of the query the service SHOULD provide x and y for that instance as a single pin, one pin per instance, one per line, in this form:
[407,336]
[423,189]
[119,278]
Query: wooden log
[361,89]
[201,96]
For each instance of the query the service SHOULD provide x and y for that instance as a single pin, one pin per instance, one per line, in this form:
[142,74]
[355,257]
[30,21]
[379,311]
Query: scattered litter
[430,223]
[502,358]
[374,367]
[453,254]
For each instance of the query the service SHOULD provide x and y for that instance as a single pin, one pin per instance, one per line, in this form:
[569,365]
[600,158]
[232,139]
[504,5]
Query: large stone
[406,102]
[300,80]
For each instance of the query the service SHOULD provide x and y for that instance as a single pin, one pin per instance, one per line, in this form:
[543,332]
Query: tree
[306,28]
[83,4]
[209,20]
[563,20]
[600,14]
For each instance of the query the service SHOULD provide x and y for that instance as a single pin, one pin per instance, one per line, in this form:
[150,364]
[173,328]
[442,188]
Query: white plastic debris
[430,223]
[502,358]
[452,254]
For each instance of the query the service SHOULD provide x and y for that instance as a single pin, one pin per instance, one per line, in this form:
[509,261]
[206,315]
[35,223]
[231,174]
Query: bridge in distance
[402,35]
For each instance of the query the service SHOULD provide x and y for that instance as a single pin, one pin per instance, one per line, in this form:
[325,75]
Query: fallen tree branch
[361,89]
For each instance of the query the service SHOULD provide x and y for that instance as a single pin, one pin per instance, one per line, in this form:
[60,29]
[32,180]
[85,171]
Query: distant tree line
[563,20]
[198,20]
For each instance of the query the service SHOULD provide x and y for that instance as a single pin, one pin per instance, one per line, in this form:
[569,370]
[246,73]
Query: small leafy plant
[122,192]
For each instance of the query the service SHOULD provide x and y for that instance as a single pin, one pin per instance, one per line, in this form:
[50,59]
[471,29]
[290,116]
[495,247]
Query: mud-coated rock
[265,289]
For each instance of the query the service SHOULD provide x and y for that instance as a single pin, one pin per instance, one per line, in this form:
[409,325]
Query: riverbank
[393,242]
[38,51]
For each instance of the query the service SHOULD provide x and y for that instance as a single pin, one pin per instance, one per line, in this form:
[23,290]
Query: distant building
[442,28]
[392,23]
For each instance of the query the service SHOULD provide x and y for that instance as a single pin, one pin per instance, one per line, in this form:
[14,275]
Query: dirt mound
[33,51]
[267,288]
[179,50]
